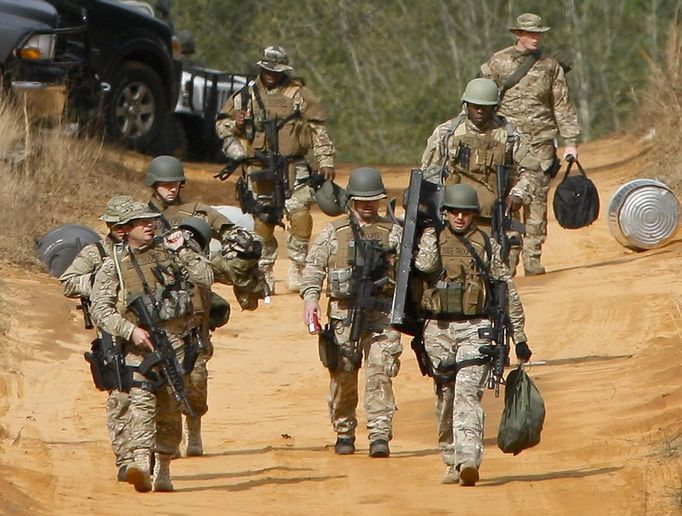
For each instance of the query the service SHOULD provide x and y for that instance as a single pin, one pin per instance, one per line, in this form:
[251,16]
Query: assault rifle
[502,221]
[163,354]
[84,307]
[368,263]
[498,351]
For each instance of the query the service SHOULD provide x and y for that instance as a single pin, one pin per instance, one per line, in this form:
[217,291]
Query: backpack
[576,200]
[523,415]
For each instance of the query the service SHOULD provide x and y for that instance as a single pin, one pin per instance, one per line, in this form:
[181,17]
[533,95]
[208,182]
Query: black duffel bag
[576,200]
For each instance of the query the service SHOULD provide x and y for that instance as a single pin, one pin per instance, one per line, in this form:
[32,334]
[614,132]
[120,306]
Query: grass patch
[49,179]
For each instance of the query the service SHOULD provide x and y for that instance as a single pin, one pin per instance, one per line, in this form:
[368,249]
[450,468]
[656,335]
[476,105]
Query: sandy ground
[606,322]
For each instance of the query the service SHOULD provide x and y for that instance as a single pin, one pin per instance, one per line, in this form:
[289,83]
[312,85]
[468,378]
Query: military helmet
[115,208]
[331,198]
[275,59]
[164,169]
[482,92]
[462,197]
[365,184]
[137,211]
[201,230]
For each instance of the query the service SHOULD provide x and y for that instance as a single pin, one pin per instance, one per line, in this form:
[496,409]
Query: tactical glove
[523,352]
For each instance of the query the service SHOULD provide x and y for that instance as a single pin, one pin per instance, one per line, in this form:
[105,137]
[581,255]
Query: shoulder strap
[520,72]
[100,249]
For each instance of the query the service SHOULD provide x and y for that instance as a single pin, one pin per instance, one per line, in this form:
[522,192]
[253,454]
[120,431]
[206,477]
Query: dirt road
[606,322]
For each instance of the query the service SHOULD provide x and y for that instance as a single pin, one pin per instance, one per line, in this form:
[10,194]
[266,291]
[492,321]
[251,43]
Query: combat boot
[468,474]
[294,277]
[195,447]
[345,446]
[533,267]
[138,471]
[270,280]
[162,478]
[379,449]
[451,475]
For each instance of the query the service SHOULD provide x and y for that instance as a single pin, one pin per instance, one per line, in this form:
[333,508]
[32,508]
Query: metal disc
[643,214]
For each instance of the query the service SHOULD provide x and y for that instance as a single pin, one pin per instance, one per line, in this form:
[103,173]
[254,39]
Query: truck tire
[136,109]
[172,140]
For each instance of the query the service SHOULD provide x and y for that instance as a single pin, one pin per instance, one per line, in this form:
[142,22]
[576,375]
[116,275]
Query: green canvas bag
[523,415]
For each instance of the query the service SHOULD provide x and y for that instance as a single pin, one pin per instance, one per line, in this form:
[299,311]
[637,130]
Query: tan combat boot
[138,471]
[451,475]
[533,267]
[468,474]
[195,447]
[294,277]
[162,479]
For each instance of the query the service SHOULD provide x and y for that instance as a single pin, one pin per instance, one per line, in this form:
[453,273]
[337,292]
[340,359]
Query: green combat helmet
[482,92]
[117,207]
[331,198]
[164,169]
[365,184]
[461,197]
[200,229]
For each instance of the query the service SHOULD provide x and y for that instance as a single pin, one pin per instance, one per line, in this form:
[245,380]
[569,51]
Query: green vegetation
[390,71]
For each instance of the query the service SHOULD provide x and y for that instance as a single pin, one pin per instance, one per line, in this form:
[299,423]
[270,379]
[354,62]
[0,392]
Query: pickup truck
[121,65]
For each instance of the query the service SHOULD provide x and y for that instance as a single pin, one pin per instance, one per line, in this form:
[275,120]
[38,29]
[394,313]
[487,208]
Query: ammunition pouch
[174,303]
[109,371]
[328,347]
[340,284]
[450,300]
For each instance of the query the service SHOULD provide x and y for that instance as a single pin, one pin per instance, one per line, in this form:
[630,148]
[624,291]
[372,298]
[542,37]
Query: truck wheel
[172,140]
[136,110]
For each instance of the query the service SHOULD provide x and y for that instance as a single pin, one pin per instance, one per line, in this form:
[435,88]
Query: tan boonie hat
[115,208]
[529,22]
[275,59]
[137,211]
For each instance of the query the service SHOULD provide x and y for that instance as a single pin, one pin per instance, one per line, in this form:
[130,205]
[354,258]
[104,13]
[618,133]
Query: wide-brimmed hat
[275,59]
[529,22]
[116,207]
[137,211]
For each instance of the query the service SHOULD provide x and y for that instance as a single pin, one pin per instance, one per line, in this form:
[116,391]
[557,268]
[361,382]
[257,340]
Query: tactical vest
[294,136]
[460,290]
[475,160]
[341,269]
[176,303]
[173,214]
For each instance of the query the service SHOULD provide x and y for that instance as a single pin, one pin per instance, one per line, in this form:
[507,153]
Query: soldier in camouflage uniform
[172,272]
[332,255]
[539,107]
[455,300]
[276,95]
[77,282]
[235,264]
[469,148]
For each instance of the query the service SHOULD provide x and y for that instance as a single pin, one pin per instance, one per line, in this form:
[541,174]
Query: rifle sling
[520,72]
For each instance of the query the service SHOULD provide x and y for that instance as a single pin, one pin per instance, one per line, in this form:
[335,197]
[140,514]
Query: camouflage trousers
[299,223]
[459,413]
[381,350]
[535,211]
[118,426]
[197,386]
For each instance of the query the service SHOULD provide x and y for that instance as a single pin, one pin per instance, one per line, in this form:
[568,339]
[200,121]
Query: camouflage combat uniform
[296,137]
[455,335]
[380,345]
[459,152]
[540,109]
[227,268]
[155,423]
[77,281]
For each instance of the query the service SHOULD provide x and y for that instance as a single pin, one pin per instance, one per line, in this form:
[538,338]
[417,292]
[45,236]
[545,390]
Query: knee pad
[264,230]
[301,224]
